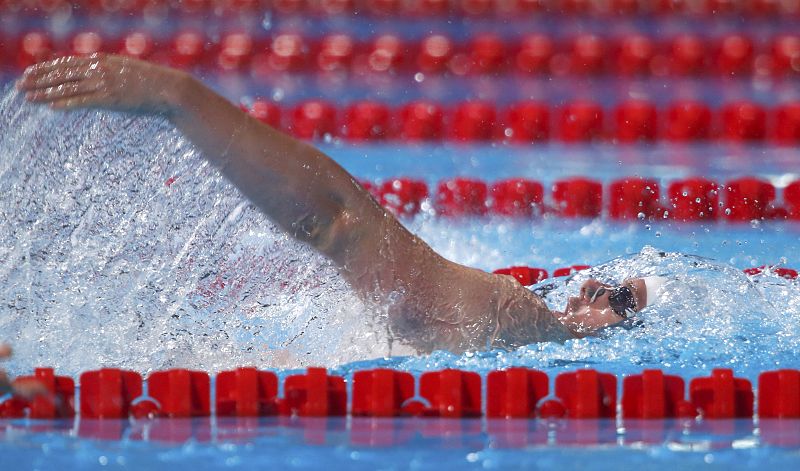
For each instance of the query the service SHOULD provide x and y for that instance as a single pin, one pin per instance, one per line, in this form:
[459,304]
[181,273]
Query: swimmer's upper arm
[524,318]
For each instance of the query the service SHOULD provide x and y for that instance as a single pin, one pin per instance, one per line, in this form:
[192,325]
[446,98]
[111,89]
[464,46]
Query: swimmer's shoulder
[523,317]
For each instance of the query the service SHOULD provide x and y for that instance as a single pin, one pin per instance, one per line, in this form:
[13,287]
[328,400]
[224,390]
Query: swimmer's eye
[622,302]
[600,291]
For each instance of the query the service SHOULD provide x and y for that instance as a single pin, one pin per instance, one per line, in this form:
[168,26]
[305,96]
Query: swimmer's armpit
[523,318]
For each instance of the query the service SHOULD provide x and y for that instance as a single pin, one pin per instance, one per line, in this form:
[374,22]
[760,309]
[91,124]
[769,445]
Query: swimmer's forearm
[298,187]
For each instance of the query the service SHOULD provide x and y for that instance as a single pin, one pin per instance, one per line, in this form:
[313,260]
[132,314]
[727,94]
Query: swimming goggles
[620,299]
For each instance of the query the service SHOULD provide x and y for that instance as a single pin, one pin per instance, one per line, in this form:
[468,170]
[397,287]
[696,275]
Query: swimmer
[432,303]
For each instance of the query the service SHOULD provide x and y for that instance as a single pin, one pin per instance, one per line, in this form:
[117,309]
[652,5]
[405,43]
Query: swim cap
[653,285]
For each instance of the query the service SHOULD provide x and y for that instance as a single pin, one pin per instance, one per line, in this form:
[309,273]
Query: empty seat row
[693,199]
[417,8]
[510,393]
[733,55]
[530,121]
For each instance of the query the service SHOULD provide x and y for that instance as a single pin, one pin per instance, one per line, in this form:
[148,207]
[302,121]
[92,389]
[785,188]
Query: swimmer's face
[592,309]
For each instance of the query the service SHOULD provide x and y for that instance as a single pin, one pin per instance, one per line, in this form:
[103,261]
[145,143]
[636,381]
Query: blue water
[81,313]
[102,264]
[399,444]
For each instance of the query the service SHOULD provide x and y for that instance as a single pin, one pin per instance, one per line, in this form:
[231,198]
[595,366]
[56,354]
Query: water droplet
[266,22]
[419,77]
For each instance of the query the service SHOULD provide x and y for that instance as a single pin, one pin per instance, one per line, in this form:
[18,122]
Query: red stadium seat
[636,121]
[743,121]
[635,55]
[474,121]
[313,119]
[735,56]
[688,55]
[335,53]
[787,124]
[434,54]
[528,121]
[421,121]
[581,121]
[534,54]
[688,121]
[366,120]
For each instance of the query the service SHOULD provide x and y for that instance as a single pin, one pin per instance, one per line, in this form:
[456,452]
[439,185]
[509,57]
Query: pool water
[54,334]
[120,247]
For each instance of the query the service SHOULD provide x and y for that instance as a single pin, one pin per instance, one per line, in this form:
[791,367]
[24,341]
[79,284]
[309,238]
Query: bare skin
[312,198]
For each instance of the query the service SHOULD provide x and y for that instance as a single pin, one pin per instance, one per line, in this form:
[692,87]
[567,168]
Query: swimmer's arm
[302,190]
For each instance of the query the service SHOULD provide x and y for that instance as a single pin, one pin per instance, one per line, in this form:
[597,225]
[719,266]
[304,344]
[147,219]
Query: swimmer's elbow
[329,232]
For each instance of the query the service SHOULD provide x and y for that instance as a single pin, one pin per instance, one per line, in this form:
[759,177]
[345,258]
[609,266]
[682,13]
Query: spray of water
[121,246]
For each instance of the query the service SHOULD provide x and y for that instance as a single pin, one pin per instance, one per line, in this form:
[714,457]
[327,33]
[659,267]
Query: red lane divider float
[57,403]
[534,55]
[528,276]
[690,200]
[510,393]
[379,9]
[635,121]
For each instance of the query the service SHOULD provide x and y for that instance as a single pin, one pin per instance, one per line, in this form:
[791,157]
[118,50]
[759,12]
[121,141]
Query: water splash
[709,315]
[121,246]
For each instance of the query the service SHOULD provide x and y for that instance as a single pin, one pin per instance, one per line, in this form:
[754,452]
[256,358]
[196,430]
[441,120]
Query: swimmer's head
[600,305]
